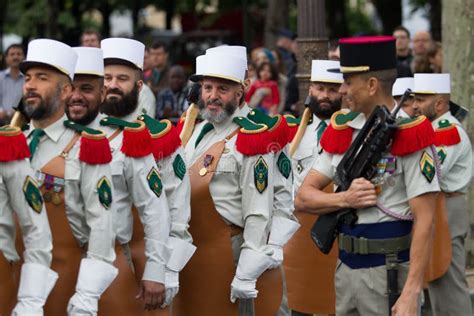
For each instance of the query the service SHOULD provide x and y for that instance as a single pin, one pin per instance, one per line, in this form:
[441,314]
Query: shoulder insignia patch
[427,166]
[284,165]
[179,167]
[105,192]
[261,175]
[154,182]
[33,194]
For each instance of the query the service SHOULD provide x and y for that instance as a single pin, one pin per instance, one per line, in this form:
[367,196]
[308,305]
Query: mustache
[214,102]
[115,91]
[31,94]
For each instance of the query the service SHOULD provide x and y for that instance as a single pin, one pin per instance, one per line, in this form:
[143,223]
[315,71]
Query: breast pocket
[116,168]
[227,164]
[73,170]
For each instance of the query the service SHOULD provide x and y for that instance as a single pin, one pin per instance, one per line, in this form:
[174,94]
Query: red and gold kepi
[367,53]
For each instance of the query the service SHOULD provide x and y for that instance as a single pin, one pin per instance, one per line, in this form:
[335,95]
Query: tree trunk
[390,12]
[458,54]
[170,8]
[3,16]
[277,17]
[435,19]
[105,10]
[52,24]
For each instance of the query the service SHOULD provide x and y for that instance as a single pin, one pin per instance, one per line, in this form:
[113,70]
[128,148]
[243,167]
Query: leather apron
[67,253]
[205,280]
[309,272]
[441,254]
[119,298]
[9,275]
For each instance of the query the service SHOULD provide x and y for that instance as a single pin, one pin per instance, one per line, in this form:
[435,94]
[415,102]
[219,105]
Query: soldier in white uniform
[19,192]
[234,174]
[74,177]
[405,188]
[299,262]
[136,180]
[449,295]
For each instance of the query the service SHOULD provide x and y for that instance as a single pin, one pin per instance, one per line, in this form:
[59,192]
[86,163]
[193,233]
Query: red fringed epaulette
[164,136]
[253,139]
[337,137]
[13,144]
[136,141]
[412,135]
[446,134]
[279,134]
[95,149]
[166,142]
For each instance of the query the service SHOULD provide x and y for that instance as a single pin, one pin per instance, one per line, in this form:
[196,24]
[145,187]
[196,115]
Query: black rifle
[358,162]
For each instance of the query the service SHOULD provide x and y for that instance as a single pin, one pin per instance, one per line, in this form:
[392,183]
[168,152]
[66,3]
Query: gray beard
[222,116]
[46,109]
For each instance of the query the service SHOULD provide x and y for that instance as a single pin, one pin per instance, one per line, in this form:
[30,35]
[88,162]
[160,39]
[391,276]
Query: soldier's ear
[140,85]
[373,85]
[66,90]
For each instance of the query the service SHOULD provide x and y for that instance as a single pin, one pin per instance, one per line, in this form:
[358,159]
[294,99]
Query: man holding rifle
[390,236]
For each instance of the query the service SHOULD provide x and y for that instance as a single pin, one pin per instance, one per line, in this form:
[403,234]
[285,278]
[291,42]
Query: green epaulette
[81,128]
[293,121]
[156,128]
[112,121]
[340,119]
[249,127]
[259,117]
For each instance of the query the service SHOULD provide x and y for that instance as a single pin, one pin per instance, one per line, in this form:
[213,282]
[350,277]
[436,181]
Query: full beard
[88,118]
[324,113]
[217,117]
[120,107]
[46,108]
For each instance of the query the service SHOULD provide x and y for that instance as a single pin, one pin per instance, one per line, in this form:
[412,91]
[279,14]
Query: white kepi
[432,84]
[320,73]
[401,85]
[234,50]
[220,65]
[50,53]
[123,51]
[90,61]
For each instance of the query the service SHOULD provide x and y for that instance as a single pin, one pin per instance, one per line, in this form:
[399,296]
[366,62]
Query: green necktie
[321,128]
[37,134]
[206,129]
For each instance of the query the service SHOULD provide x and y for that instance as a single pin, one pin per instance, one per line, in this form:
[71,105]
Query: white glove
[95,276]
[171,286]
[251,265]
[282,230]
[242,289]
[36,283]
[277,256]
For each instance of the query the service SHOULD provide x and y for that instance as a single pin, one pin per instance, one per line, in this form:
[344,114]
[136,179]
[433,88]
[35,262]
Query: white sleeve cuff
[282,230]
[182,251]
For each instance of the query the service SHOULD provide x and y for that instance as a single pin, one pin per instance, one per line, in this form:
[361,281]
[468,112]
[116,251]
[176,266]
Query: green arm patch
[105,192]
[249,127]
[284,165]
[179,167]
[33,194]
[154,182]
[261,174]
[427,166]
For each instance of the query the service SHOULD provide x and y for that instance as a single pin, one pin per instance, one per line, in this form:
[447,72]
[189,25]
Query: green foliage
[359,22]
